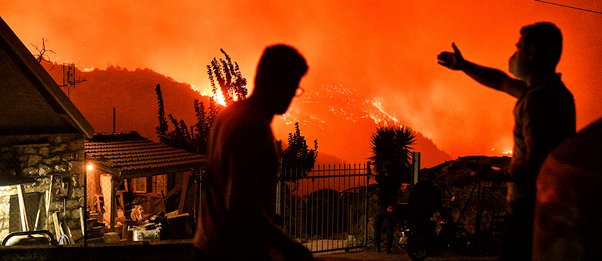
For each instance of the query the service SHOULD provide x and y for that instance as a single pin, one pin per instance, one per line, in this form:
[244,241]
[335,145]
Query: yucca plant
[392,146]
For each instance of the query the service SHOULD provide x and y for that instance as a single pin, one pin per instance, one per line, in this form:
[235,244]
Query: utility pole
[114,119]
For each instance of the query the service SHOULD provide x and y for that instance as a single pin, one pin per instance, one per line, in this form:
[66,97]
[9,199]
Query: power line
[568,6]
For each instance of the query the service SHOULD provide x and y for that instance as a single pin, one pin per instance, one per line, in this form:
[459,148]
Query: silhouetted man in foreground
[238,201]
[544,116]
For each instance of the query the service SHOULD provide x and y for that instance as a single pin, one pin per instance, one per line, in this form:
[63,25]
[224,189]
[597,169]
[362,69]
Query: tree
[392,146]
[233,86]
[163,128]
[297,160]
[195,138]
[297,155]
[41,56]
[69,69]
[200,135]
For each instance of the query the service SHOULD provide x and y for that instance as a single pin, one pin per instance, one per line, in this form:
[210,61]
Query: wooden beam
[185,179]
[22,208]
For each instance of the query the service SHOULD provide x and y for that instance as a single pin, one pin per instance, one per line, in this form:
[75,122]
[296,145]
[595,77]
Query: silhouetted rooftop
[30,100]
[131,155]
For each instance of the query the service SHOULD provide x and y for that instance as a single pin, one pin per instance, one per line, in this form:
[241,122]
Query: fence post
[200,187]
[279,193]
[415,167]
[368,173]
[86,208]
[112,201]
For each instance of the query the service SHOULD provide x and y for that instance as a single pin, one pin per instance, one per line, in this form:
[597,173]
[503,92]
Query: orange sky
[385,49]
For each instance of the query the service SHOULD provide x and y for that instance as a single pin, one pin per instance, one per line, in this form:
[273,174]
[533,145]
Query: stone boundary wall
[42,157]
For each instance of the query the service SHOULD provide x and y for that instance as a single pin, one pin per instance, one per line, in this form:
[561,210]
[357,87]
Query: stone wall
[52,160]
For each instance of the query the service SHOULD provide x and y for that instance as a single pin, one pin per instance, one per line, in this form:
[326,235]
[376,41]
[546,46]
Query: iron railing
[325,208]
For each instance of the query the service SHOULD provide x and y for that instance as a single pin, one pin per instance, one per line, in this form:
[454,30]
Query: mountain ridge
[326,113]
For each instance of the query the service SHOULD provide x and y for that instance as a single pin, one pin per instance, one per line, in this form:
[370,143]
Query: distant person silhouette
[568,211]
[238,203]
[388,186]
[425,200]
[425,197]
[544,116]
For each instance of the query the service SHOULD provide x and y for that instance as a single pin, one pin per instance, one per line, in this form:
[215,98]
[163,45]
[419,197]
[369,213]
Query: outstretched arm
[489,77]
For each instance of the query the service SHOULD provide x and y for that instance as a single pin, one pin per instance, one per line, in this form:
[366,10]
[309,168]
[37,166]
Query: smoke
[384,49]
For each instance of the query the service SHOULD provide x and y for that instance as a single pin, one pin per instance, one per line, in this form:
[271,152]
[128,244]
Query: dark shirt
[238,201]
[544,116]
[388,186]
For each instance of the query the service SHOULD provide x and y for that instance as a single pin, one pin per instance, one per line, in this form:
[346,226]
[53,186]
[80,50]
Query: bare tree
[42,56]
[69,70]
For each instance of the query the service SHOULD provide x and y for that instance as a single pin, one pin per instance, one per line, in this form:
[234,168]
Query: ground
[399,254]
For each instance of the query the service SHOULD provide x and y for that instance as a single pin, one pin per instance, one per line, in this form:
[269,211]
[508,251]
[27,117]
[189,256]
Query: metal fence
[325,208]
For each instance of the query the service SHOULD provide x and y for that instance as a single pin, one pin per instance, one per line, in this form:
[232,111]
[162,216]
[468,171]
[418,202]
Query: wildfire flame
[219,97]
[378,119]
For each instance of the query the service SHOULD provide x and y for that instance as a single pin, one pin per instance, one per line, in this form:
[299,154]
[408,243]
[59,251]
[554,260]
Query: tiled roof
[135,156]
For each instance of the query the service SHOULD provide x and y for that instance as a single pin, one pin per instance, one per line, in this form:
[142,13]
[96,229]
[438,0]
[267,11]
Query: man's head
[278,75]
[538,49]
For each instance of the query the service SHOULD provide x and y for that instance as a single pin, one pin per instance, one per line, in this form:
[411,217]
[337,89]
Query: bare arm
[489,77]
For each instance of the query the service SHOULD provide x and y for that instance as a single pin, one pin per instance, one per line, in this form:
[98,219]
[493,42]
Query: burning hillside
[340,118]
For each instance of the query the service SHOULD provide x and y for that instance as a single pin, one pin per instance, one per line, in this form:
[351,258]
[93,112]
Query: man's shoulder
[552,86]
[232,110]
[238,113]
[240,121]
[552,94]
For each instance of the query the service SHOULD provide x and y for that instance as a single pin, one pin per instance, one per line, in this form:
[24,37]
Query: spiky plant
[392,145]
[195,137]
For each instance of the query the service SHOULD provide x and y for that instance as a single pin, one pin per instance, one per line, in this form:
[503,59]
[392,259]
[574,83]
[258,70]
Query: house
[52,165]
[42,137]
[126,169]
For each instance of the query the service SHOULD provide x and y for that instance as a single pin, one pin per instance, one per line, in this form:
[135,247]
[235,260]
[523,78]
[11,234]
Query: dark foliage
[231,83]
[163,128]
[392,148]
[297,155]
[193,138]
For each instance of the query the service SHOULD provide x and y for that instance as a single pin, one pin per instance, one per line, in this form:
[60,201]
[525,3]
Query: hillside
[340,119]
[132,94]
[349,119]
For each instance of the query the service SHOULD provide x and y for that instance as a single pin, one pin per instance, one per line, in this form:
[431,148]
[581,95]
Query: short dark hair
[546,38]
[280,62]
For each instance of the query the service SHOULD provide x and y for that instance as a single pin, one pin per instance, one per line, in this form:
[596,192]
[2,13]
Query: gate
[325,208]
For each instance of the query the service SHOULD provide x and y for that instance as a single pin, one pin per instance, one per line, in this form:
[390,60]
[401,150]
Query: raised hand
[453,61]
